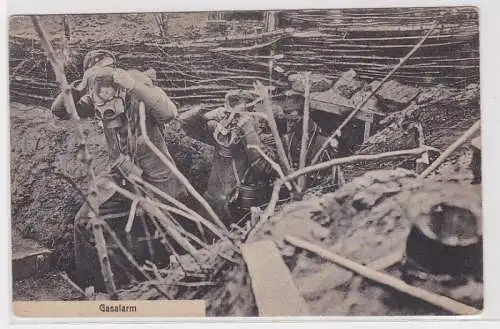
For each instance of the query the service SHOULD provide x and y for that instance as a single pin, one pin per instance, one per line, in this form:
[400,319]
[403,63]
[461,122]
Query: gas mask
[108,100]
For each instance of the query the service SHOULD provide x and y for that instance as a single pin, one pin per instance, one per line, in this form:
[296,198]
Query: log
[272,282]
[385,279]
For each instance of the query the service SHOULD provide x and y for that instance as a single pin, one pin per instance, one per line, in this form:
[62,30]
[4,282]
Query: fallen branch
[84,156]
[170,229]
[69,103]
[305,130]
[269,210]
[174,210]
[385,279]
[175,171]
[169,198]
[355,158]
[273,164]
[122,248]
[263,93]
[472,130]
[72,284]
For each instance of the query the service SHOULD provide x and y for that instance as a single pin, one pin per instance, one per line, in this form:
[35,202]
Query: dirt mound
[365,221]
[445,114]
[44,201]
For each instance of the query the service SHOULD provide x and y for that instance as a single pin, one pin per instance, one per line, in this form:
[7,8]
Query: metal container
[224,151]
[446,245]
[249,196]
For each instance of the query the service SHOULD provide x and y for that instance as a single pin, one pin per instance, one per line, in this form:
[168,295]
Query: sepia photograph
[258,163]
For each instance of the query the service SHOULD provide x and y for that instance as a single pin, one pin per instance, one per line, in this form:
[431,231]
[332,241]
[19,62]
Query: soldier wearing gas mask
[113,95]
[239,178]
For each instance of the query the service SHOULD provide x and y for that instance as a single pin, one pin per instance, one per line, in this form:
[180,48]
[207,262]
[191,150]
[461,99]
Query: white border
[490,81]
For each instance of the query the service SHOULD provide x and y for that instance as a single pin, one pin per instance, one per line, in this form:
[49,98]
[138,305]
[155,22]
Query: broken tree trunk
[84,155]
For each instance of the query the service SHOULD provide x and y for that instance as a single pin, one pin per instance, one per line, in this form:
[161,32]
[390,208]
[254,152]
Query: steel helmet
[100,56]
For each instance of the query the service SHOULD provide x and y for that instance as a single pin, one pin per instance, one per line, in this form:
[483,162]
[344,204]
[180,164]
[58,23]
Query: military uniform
[123,136]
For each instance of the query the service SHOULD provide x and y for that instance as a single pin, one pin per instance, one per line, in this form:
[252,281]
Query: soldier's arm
[197,124]
[158,104]
[194,124]
[83,105]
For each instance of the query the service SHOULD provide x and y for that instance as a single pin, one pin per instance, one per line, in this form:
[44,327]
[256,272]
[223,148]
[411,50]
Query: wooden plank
[272,282]
[28,258]
[340,109]
[366,135]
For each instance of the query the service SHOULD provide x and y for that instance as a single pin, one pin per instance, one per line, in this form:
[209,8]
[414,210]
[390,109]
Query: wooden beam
[339,109]
[272,282]
[368,127]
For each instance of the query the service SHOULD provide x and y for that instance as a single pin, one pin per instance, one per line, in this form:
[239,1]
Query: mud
[48,182]
[49,287]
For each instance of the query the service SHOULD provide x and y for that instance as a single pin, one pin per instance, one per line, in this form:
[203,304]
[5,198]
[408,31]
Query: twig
[122,248]
[152,203]
[363,103]
[269,210]
[385,279]
[168,198]
[254,47]
[184,284]
[263,93]
[273,164]
[475,127]
[355,158]
[199,42]
[73,284]
[175,171]
[305,130]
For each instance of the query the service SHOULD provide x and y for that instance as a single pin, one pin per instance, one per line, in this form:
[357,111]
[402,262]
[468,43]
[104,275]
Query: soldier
[240,178]
[113,96]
